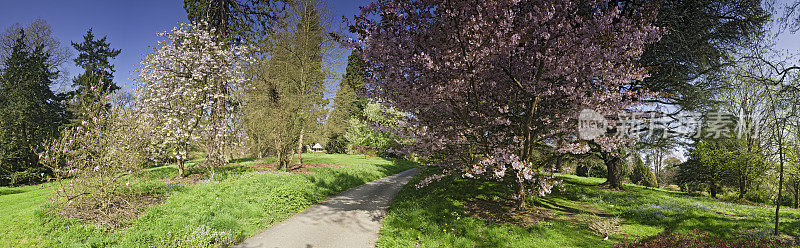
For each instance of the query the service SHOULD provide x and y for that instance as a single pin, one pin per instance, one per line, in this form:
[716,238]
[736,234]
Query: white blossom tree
[179,92]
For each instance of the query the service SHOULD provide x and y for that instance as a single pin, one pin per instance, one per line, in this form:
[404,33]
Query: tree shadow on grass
[11,191]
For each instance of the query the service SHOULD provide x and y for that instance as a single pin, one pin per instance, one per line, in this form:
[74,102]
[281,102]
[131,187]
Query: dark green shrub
[650,179]
[598,171]
[582,170]
[337,143]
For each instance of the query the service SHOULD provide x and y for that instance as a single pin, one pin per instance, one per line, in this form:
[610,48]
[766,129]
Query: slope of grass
[240,204]
[439,216]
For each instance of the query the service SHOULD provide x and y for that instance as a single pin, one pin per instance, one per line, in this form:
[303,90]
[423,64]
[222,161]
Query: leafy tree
[307,71]
[238,21]
[37,34]
[639,171]
[286,102]
[30,112]
[348,103]
[271,107]
[488,88]
[686,62]
[337,143]
[367,133]
[723,161]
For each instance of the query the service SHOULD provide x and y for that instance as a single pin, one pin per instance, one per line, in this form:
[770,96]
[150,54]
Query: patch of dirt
[119,213]
[295,168]
[504,211]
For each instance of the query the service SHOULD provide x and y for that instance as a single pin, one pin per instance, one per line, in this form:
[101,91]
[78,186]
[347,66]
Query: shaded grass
[240,204]
[434,216]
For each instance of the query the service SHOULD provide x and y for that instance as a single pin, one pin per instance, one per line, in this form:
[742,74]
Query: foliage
[337,143]
[347,103]
[91,159]
[440,61]
[374,130]
[179,97]
[285,102]
[724,161]
[687,60]
[642,175]
[703,239]
[241,21]
[93,57]
[30,113]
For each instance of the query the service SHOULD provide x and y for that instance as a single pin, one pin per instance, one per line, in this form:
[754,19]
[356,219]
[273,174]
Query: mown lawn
[440,215]
[239,203]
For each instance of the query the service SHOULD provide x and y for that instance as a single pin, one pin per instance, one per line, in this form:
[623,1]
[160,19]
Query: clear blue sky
[129,25]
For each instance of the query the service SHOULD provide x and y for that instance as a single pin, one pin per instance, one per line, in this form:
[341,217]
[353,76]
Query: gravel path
[348,220]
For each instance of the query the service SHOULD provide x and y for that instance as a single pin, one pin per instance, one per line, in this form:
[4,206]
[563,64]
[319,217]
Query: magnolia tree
[94,156]
[491,84]
[186,93]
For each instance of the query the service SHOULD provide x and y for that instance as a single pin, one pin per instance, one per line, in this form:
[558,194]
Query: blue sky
[129,25]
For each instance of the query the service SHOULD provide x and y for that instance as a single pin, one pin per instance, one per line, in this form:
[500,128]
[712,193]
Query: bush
[650,179]
[702,239]
[29,176]
[582,170]
[642,175]
[761,196]
[589,169]
[337,143]
[673,187]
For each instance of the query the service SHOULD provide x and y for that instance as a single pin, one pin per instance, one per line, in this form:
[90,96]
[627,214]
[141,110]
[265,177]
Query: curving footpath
[351,219]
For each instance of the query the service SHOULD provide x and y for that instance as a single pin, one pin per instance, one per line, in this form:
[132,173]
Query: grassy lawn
[439,215]
[241,202]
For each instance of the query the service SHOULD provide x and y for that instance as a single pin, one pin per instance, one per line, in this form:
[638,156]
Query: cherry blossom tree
[179,93]
[493,84]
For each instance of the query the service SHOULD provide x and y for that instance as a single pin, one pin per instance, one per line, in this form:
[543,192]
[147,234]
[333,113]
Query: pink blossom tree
[179,93]
[493,84]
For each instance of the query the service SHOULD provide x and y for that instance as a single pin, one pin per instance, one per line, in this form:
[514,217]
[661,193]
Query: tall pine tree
[93,57]
[347,103]
[30,112]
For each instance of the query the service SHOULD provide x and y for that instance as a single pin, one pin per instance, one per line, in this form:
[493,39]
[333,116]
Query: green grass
[241,203]
[434,216]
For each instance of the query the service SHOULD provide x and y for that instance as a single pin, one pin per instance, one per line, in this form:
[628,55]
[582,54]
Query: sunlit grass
[422,217]
[237,205]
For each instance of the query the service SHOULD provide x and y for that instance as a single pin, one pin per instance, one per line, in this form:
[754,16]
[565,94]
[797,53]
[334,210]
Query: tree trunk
[780,183]
[612,167]
[796,194]
[712,190]
[180,168]
[521,194]
[281,156]
[742,189]
[300,147]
